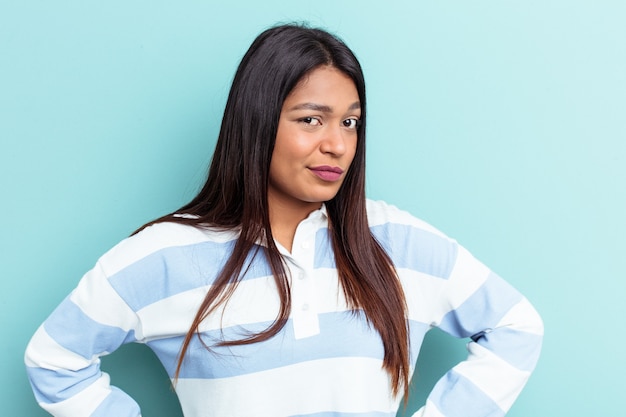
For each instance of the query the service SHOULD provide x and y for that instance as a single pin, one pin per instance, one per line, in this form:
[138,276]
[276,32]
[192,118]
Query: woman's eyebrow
[321,107]
[312,106]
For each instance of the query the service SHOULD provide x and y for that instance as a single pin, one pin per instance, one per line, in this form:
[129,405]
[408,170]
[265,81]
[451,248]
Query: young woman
[279,290]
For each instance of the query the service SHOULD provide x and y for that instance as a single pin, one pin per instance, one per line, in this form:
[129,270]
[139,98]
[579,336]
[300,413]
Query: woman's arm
[505,332]
[62,358]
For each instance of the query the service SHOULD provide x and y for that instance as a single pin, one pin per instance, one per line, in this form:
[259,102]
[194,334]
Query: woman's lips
[327,173]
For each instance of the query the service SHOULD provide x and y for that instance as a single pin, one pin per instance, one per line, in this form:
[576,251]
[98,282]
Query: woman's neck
[285,218]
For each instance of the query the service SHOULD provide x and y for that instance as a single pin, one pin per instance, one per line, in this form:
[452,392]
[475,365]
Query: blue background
[502,123]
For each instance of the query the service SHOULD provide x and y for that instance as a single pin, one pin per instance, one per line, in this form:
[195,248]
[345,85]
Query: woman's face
[316,140]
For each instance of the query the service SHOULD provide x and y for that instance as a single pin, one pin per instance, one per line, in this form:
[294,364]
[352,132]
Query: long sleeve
[62,358]
[505,335]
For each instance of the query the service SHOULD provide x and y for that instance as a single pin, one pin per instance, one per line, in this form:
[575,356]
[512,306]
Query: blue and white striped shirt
[325,362]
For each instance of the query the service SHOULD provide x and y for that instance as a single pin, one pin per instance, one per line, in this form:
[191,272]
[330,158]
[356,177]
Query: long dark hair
[235,193]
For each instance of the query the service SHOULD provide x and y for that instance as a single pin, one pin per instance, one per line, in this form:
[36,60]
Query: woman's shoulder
[380,213]
[412,243]
[161,237]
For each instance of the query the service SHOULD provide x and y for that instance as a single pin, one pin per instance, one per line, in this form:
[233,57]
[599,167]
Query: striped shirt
[326,361]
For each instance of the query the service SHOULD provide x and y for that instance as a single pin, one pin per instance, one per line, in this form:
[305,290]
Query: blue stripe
[465,399]
[342,335]
[417,331]
[483,309]
[324,256]
[417,249]
[71,328]
[117,404]
[408,247]
[520,349]
[53,386]
[173,270]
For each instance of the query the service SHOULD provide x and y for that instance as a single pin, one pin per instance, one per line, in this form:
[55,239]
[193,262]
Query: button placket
[304,311]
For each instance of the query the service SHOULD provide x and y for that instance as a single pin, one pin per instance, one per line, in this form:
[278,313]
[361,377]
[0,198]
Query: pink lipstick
[327,173]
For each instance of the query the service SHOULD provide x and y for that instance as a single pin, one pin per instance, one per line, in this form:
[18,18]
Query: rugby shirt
[325,362]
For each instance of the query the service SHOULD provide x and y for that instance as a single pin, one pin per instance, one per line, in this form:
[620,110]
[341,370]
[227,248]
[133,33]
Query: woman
[280,290]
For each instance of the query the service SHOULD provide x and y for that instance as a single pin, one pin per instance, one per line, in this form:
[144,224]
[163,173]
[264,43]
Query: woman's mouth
[327,173]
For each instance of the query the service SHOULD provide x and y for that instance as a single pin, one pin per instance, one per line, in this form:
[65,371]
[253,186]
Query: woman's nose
[334,141]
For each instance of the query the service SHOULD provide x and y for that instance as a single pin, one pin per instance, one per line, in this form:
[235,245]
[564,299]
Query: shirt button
[305,307]
[301,276]
[306,245]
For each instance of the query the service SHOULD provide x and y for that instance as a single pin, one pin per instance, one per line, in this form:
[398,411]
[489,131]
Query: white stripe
[422,293]
[330,297]
[523,317]
[357,385]
[98,300]
[429,410]
[84,403]
[181,309]
[498,379]
[255,300]
[44,352]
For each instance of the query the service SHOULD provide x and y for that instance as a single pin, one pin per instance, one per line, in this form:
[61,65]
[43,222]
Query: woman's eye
[311,121]
[351,123]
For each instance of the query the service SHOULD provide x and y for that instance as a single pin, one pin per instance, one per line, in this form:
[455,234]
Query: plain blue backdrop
[502,123]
